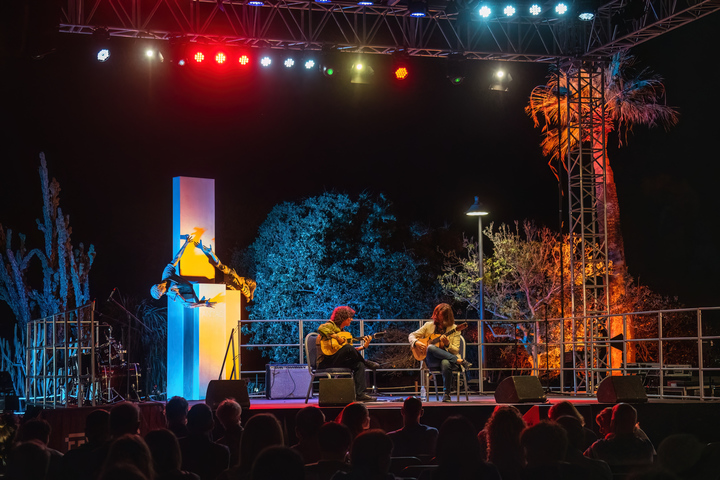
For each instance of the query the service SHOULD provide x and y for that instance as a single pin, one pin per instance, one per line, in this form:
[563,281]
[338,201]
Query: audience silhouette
[129,449]
[414,438]
[356,417]
[458,453]
[369,457]
[81,463]
[502,435]
[307,425]
[625,445]
[200,454]
[278,463]
[167,458]
[176,410]
[334,440]
[229,415]
[261,431]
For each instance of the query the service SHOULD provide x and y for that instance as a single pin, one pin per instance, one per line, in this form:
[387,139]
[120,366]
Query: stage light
[361,72]
[328,71]
[322,1]
[456,68]
[484,11]
[181,62]
[365,3]
[586,16]
[289,63]
[199,57]
[103,55]
[153,54]
[401,73]
[244,60]
[509,11]
[265,61]
[400,65]
[220,58]
[501,81]
[256,3]
[561,9]
[417,8]
[150,53]
[535,9]
[309,64]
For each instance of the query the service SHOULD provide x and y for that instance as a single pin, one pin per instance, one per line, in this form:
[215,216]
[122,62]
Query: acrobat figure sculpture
[233,281]
[179,288]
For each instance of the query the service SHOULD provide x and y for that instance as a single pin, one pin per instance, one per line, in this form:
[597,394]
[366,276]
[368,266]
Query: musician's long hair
[340,314]
[442,313]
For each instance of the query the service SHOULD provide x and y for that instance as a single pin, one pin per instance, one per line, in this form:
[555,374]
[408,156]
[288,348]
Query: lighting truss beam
[380,29]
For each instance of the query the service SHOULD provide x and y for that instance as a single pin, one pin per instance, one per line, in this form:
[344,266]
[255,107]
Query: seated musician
[346,355]
[445,352]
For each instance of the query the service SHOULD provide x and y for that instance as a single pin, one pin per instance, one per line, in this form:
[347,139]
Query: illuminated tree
[631,98]
[326,251]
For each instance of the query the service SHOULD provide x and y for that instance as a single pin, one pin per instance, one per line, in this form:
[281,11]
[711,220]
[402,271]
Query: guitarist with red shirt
[335,351]
[438,343]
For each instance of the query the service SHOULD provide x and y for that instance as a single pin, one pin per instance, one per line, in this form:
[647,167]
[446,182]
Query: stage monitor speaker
[617,389]
[219,390]
[286,381]
[336,392]
[524,389]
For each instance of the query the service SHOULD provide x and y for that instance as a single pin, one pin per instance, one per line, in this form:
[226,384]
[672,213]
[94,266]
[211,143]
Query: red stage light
[199,57]
[244,60]
[220,58]
[401,73]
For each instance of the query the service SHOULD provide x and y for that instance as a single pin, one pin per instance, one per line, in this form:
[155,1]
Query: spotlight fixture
[501,81]
[456,68]
[322,1]
[154,54]
[561,9]
[103,55]
[509,11]
[484,11]
[198,57]
[244,59]
[400,65]
[220,58]
[289,62]
[535,9]
[265,61]
[101,39]
[309,64]
[365,3]
[256,3]
[586,16]
[361,72]
[417,8]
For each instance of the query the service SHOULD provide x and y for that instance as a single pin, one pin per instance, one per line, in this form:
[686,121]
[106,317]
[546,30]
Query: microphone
[111,294]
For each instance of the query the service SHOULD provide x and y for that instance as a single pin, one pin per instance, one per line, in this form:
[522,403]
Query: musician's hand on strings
[444,341]
[366,341]
[421,347]
[340,340]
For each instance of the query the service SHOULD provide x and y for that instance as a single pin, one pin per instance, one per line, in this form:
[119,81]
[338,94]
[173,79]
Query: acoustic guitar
[432,340]
[330,346]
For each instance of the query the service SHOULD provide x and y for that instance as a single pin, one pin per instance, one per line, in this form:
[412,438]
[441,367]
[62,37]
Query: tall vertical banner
[197,337]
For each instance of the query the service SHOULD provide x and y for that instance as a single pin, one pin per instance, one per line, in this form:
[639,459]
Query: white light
[484,11]
[289,62]
[103,55]
[586,16]
[181,62]
[500,74]
[561,8]
[535,9]
[509,11]
[359,66]
[265,61]
[309,64]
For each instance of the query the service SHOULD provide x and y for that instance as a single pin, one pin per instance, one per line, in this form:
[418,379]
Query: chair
[460,380]
[311,355]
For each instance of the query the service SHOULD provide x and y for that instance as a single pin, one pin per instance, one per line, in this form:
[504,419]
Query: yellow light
[401,73]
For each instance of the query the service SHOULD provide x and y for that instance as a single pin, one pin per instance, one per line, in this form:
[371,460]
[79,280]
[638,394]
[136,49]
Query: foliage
[64,269]
[330,250]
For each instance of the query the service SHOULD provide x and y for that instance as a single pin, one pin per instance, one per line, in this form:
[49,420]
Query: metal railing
[680,360]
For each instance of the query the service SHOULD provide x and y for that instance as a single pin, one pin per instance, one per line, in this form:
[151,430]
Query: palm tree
[631,97]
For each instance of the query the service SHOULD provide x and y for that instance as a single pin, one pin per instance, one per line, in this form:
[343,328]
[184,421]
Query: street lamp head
[476,209]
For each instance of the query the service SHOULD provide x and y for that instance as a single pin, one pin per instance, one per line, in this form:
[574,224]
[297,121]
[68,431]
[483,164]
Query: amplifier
[286,381]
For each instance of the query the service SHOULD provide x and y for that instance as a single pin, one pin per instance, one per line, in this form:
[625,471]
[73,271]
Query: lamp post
[478,210]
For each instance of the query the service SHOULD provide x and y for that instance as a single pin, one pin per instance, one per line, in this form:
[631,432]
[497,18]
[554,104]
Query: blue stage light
[535,9]
[509,11]
[561,9]
[484,11]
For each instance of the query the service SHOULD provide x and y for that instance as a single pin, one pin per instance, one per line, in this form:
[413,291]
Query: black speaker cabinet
[336,392]
[525,389]
[616,389]
[219,390]
[286,381]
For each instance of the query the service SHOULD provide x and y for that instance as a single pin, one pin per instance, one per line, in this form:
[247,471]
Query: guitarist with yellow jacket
[438,343]
[335,350]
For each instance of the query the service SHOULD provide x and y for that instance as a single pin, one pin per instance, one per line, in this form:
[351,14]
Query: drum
[111,353]
[124,379]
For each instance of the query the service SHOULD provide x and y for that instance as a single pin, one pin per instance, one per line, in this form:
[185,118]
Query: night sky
[116,134]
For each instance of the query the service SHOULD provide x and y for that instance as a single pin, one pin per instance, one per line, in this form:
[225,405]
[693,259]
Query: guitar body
[432,340]
[331,345]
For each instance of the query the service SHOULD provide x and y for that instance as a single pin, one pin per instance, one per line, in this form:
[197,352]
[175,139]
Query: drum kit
[115,379]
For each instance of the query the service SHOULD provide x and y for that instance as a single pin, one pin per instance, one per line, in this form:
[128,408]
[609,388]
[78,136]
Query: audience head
[130,449]
[28,461]
[200,419]
[371,451]
[308,421]
[165,450]
[573,429]
[624,419]
[545,444]
[412,410]
[228,413]
[35,429]
[278,463]
[565,408]
[261,431]
[457,440]
[502,431]
[97,426]
[124,418]
[176,410]
[356,417]
[603,420]
[679,453]
[335,440]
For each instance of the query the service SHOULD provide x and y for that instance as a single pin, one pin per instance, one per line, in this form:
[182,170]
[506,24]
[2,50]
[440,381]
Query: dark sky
[116,134]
